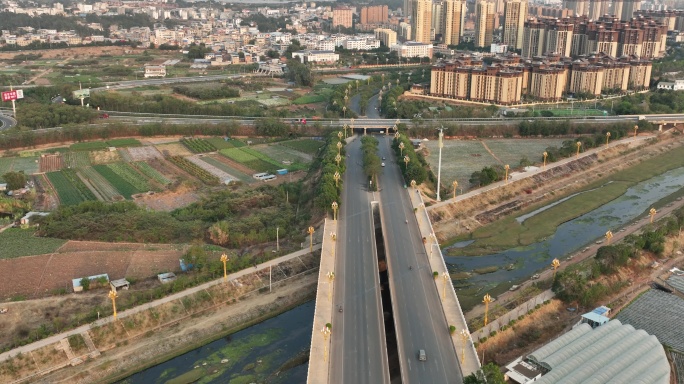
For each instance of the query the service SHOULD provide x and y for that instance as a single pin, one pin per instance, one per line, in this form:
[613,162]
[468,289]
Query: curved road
[6,122]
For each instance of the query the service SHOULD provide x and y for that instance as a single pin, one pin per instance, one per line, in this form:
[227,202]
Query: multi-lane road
[418,316]
[358,347]
[6,122]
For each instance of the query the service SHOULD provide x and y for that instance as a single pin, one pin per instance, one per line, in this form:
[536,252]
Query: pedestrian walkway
[319,355]
[450,305]
[129,312]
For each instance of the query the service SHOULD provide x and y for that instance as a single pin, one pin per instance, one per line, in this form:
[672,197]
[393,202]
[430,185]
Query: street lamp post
[636,128]
[433,242]
[331,278]
[339,147]
[325,331]
[439,161]
[464,336]
[334,208]
[555,264]
[455,184]
[224,259]
[339,135]
[507,167]
[401,148]
[545,155]
[413,184]
[652,212]
[607,137]
[336,176]
[579,144]
[345,127]
[277,239]
[487,299]
[311,232]
[338,158]
[112,295]
[344,109]
[609,237]
[406,161]
[446,277]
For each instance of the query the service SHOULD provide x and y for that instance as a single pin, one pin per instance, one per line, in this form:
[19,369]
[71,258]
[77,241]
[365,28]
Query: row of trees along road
[328,189]
[371,162]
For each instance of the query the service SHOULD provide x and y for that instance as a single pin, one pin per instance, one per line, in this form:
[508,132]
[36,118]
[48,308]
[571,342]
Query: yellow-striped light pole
[406,161]
[636,128]
[336,176]
[609,237]
[311,232]
[487,299]
[545,155]
[334,208]
[224,260]
[555,264]
[413,184]
[339,135]
[401,148]
[112,295]
[339,147]
[338,158]
[345,127]
[579,144]
[464,336]
[446,277]
[325,331]
[455,184]
[652,213]
[607,137]
[507,167]
[331,278]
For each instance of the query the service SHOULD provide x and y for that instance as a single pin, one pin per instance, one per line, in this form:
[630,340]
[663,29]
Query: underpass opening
[386,301]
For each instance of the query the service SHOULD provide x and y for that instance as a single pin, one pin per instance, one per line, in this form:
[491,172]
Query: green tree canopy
[15,180]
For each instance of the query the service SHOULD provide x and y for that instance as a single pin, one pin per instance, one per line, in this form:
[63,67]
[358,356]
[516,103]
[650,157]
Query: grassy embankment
[508,233]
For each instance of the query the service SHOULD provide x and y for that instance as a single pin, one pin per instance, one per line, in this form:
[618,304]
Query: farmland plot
[281,153]
[124,187]
[220,143]
[28,165]
[194,170]
[215,160]
[126,142]
[219,173]
[77,159]
[5,165]
[143,153]
[69,187]
[173,149]
[198,145]
[104,157]
[88,146]
[132,176]
[151,173]
[460,158]
[50,163]
[100,184]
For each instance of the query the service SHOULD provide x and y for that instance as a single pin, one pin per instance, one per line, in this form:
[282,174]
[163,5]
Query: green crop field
[576,112]
[198,145]
[133,177]
[28,165]
[88,146]
[69,187]
[5,165]
[308,146]
[261,156]
[127,142]
[124,187]
[219,143]
[309,99]
[21,242]
[99,183]
[194,170]
[150,172]
[77,159]
[237,154]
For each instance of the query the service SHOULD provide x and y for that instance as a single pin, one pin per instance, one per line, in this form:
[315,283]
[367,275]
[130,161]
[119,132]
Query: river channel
[569,237]
[253,355]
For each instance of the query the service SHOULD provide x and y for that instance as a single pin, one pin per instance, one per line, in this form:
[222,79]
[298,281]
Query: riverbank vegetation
[508,233]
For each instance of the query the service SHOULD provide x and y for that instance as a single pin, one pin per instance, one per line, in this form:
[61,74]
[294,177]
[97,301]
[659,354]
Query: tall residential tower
[484,23]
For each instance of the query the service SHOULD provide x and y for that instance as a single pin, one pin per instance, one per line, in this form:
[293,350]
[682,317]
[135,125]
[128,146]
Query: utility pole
[439,163]
[270,284]
[277,240]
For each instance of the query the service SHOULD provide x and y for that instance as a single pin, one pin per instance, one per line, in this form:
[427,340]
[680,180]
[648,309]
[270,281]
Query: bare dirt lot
[76,53]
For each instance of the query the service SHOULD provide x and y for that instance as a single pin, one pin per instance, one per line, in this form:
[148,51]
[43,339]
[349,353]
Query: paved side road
[56,338]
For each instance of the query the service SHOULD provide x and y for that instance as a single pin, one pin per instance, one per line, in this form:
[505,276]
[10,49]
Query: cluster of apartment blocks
[542,78]
[576,36]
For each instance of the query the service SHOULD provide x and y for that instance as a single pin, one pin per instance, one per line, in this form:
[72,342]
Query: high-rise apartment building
[376,14]
[437,19]
[386,36]
[453,14]
[342,16]
[578,7]
[515,13]
[408,8]
[534,39]
[628,9]
[421,21]
[484,23]
[618,5]
[559,39]
[597,8]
